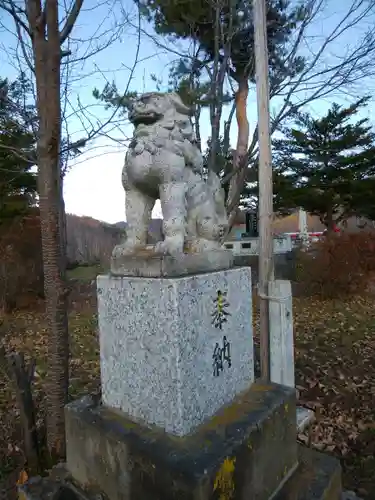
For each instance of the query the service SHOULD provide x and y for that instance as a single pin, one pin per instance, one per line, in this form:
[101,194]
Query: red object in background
[335,228]
[294,236]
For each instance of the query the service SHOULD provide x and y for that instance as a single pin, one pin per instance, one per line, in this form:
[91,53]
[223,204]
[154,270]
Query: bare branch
[70,21]
[95,131]
[23,48]
[319,78]
[323,74]
[16,13]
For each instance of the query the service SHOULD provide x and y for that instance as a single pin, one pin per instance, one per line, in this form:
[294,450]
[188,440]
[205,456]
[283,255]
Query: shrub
[21,266]
[338,265]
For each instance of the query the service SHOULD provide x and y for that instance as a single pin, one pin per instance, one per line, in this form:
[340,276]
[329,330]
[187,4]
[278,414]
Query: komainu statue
[163,162]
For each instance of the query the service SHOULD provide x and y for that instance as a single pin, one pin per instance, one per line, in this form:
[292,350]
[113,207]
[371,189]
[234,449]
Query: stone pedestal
[248,450]
[175,350]
[148,264]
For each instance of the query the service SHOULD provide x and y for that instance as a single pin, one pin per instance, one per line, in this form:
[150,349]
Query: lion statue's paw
[170,246]
[123,249]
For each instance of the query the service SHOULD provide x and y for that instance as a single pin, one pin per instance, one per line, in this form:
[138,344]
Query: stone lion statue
[163,162]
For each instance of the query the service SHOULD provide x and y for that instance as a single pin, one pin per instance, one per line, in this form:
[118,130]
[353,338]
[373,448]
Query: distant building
[239,227]
[280,225]
[290,224]
[356,224]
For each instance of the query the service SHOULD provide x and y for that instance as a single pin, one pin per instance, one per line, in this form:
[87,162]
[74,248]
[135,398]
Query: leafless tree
[45,43]
[339,62]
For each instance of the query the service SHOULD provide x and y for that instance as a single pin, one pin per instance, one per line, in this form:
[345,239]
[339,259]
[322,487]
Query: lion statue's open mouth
[147,109]
[144,118]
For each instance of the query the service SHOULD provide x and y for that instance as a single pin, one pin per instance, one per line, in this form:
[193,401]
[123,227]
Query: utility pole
[302,227]
[266,266]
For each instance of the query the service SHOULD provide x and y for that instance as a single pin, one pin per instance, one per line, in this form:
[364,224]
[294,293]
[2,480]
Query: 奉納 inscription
[221,356]
[220,313]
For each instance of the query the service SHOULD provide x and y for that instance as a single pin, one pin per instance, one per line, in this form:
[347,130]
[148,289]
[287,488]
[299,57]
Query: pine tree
[223,33]
[327,165]
[18,184]
[195,20]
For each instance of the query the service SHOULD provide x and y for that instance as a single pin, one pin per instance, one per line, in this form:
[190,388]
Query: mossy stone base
[246,451]
[318,477]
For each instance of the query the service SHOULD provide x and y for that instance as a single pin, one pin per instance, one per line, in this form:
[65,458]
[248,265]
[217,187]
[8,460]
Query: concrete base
[149,264]
[318,477]
[245,451]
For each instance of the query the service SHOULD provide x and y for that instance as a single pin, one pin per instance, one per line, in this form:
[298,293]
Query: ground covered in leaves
[335,375]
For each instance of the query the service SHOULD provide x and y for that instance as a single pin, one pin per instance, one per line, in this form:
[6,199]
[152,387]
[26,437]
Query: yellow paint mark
[286,407]
[22,479]
[220,303]
[249,445]
[224,483]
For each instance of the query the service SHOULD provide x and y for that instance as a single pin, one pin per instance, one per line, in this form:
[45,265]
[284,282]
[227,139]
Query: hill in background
[91,241]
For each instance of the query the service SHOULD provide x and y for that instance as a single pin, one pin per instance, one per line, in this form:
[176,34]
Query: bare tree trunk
[196,107]
[197,127]
[220,67]
[21,375]
[240,157]
[55,292]
[46,51]
[56,308]
[226,151]
[62,222]
[328,221]
[39,24]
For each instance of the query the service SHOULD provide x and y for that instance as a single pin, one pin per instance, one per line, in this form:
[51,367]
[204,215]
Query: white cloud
[93,187]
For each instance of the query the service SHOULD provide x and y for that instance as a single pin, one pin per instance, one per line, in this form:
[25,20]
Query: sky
[93,183]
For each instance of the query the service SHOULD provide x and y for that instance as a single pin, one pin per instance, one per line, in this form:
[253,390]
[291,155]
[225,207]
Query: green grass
[85,273]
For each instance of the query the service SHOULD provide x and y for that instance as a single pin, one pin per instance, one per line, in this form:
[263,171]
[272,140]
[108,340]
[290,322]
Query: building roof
[289,224]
